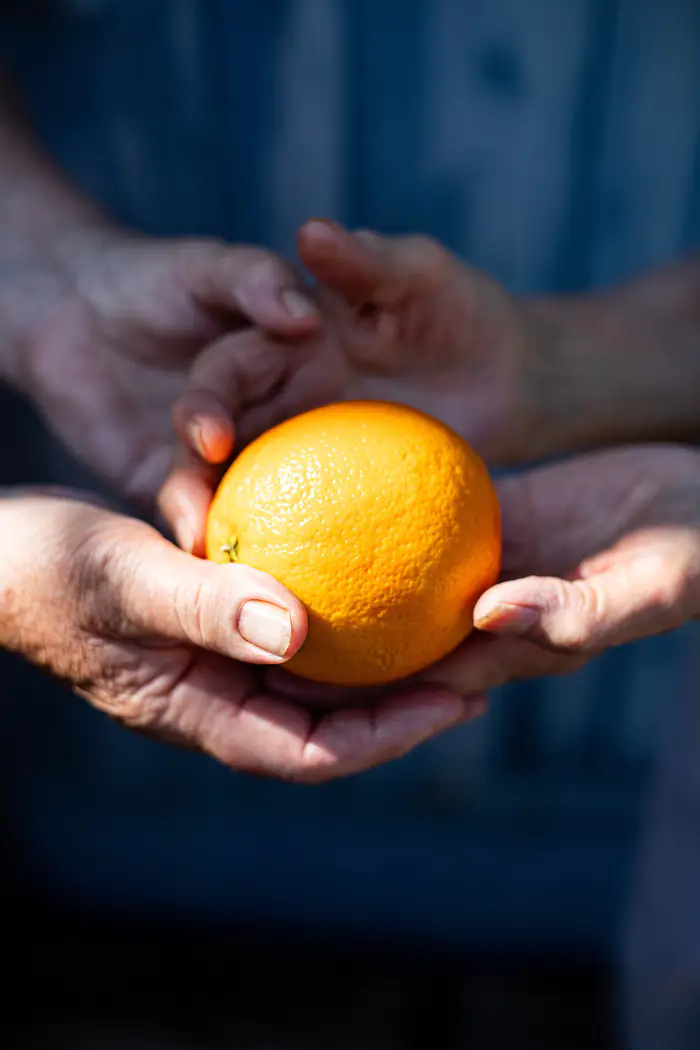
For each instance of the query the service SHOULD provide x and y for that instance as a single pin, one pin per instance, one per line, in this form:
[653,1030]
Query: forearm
[42,220]
[627,362]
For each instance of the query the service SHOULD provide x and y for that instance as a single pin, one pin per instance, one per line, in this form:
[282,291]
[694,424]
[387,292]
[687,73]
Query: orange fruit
[381,520]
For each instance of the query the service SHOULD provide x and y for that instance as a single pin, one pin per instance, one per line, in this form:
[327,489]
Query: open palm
[598,551]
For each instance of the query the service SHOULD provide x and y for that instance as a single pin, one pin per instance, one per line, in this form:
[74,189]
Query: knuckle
[194,607]
[668,594]
[583,619]
[123,688]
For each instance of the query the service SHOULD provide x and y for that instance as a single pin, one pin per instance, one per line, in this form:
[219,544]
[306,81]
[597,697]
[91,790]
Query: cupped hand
[598,551]
[153,637]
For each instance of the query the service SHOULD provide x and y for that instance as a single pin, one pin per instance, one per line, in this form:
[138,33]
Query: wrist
[47,227]
[621,366]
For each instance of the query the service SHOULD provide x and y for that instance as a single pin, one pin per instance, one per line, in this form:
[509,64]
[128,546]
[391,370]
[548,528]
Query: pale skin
[104,330]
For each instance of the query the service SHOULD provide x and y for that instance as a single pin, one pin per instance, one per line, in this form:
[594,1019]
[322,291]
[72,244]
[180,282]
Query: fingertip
[215,437]
[319,238]
[270,619]
[208,432]
[320,229]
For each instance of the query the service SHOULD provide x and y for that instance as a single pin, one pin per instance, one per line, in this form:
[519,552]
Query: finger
[365,267]
[185,498]
[241,371]
[641,592]
[321,696]
[271,736]
[147,588]
[486,662]
[250,281]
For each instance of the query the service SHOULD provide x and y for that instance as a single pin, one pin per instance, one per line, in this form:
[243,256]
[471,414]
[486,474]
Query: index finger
[275,737]
[485,662]
[363,266]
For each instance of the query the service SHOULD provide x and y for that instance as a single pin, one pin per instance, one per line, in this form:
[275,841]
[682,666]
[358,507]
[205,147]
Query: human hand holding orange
[381,519]
[598,551]
[402,319]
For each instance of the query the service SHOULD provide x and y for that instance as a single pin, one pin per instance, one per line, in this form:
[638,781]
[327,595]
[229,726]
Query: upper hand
[402,320]
[112,354]
[154,636]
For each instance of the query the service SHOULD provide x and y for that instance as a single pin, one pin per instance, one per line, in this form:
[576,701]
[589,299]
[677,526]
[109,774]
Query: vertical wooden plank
[651,138]
[306,174]
[504,81]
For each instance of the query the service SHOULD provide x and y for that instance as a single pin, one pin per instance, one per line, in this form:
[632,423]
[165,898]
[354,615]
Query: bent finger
[151,590]
[250,281]
[639,593]
[271,736]
[238,371]
[367,267]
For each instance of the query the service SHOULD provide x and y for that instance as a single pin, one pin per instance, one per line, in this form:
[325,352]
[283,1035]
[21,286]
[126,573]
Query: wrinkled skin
[119,335]
[151,636]
[599,551]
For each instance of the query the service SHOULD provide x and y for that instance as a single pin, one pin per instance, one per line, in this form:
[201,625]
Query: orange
[381,520]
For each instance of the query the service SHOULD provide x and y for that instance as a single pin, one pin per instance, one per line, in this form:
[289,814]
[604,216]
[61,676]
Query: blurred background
[474,894]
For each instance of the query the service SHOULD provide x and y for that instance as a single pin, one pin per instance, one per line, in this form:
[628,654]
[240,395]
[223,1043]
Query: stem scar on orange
[381,520]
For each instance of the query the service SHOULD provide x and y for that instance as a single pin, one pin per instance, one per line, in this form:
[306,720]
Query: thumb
[620,596]
[365,267]
[155,591]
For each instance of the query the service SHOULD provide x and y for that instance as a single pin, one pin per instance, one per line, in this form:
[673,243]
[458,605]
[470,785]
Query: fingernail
[504,618]
[195,433]
[297,304]
[265,625]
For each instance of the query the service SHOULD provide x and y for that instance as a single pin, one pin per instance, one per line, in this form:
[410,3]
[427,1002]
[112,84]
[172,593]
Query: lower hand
[153,637]
[600,551]
[597,552]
